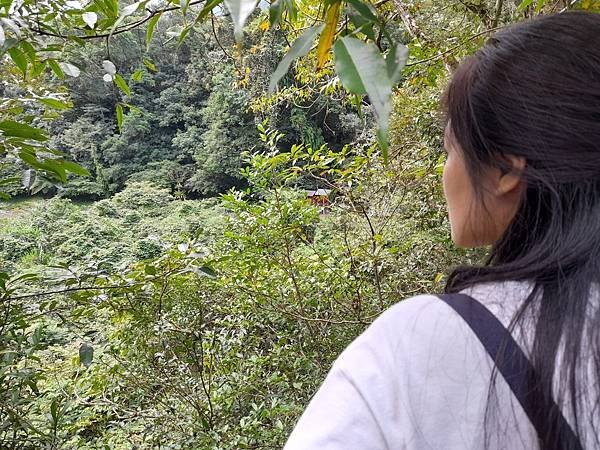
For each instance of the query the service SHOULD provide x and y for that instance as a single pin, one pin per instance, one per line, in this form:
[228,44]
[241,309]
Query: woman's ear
[509,181]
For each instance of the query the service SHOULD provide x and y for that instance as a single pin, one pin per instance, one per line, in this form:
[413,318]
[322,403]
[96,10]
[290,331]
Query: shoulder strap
[516,369]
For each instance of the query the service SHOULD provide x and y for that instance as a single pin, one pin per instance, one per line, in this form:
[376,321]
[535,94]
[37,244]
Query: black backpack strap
[516,369]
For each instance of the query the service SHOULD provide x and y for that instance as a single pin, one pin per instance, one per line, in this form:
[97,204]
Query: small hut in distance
[319,197]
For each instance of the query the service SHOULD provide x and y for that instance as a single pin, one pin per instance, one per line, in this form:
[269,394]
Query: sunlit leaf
[122,84]
[69,69]
[119,110]
[326,38]
[90,18]
[150,30]
[18,58]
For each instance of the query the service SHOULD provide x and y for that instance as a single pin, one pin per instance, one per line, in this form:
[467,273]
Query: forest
[166,279]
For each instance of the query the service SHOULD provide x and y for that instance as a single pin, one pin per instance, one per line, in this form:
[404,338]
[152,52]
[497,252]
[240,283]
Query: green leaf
[54,103]
[365,10]
[18,58]
[22,130]
[86,354]
[395,62]
[362,70]
[56,69]
[29,50]
[540,4]
[300,47]
[275,12]
[524,4]
[120,117]
[75,168]
[240,10]
[208,7]
[150,65]
[150,30]
[137,75]
[122,84]
[207,270]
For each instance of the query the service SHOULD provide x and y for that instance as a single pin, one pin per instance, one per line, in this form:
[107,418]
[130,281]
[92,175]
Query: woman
[522,174]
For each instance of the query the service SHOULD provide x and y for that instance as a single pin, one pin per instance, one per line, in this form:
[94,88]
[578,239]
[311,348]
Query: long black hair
[533,91]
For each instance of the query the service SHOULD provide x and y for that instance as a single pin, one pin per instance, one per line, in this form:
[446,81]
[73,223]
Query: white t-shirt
[418,378]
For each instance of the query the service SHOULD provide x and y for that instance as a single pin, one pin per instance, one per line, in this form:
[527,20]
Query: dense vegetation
[176,288]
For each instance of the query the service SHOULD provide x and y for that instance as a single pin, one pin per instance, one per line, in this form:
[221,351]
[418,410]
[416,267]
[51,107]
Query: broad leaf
[69,69]
[56,69]
[22,130]
[208,7]
[75,168]
[90,18]
[326,40]
[150,30]
[240,10]
[122,84]
[362,70]
[395,62]
[18,58]
[364,9]
[299,48]
[86,354]
[54,103]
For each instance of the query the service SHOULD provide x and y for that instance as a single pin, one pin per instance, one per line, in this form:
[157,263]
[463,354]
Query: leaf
[299,48]
[129,10]
[2,36]
[207,270]
[362,70]
[208,7]
[86,354]
[28,178]
[69,69]
[524,4]
[326,39]
[395,62]
[150,65]
[120,117]
[540,4]
[150,30]
[137,75]
[75,168]
[364,10]
[17,129]
[122,84]
[240,10]
[54,103]
[126,12]
[275,12]
[109,67]
[29,50]
[18,58]
[56,68]
[90,18]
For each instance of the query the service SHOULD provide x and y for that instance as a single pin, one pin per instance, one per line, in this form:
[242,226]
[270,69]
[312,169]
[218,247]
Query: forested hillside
[165,280]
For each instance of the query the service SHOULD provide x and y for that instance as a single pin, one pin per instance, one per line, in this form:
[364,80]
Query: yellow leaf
[264,25]
[332,15]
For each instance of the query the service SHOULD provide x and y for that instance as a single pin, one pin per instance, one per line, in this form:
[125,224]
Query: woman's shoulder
[420,327]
